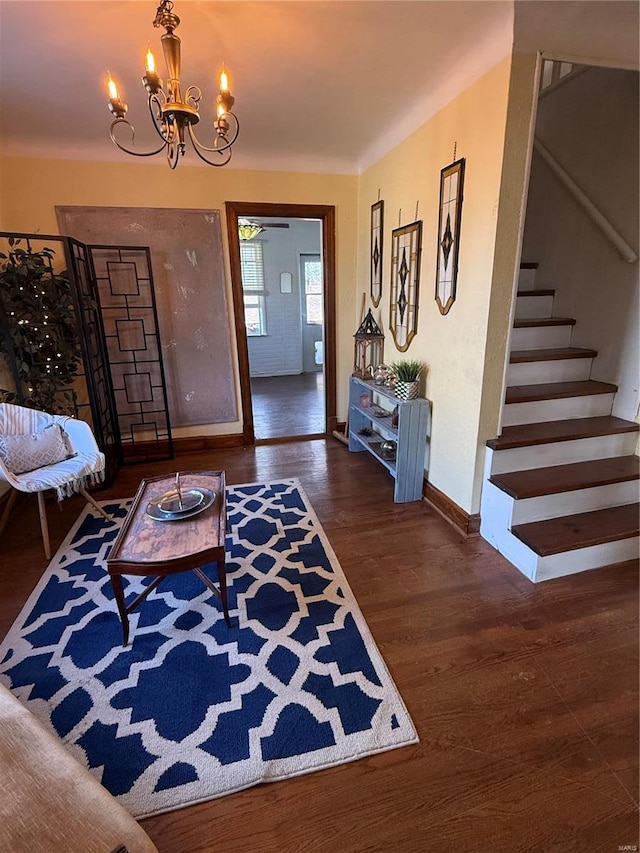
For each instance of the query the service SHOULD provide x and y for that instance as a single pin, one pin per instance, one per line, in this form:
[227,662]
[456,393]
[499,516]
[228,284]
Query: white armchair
[81,465]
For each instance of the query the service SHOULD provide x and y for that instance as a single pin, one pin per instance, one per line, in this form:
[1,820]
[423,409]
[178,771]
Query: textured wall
[590,125]
[30,189]
[453,346]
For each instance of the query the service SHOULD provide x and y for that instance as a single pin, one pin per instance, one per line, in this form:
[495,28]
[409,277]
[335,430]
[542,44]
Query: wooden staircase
[561,482]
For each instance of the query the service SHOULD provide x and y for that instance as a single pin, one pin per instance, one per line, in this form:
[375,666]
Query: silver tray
[194,501]
[184,500]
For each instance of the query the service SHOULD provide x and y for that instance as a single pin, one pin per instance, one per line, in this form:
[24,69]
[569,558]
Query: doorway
[283,280]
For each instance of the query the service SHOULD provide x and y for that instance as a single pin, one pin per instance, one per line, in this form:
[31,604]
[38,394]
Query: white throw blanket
[84,468]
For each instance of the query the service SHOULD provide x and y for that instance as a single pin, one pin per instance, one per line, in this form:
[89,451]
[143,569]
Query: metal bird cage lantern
[369,348]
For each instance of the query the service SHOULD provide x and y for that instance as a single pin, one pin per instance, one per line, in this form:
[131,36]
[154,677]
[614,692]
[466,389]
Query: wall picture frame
[449,219]
[377,232]
[406,247]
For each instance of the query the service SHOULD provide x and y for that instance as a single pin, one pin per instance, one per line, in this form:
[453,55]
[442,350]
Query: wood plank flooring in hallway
[525,697]
[288,405]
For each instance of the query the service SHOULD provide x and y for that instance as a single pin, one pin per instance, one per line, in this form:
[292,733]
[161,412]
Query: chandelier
[174,116]
[248,229]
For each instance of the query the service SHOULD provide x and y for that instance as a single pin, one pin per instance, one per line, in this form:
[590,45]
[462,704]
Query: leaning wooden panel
[193,315]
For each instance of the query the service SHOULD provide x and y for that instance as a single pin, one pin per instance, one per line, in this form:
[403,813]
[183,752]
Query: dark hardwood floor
[525,697]
[288,405]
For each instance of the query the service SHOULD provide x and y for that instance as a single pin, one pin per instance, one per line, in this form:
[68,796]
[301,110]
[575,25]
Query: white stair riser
[566,408]
[571,503]
[495,513]
[495,520]
[561,452]
[541,337]
[533,306]
[526,279]
[541,372]
[583,559]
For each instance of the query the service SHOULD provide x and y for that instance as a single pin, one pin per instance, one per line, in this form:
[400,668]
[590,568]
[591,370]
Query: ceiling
[319,86]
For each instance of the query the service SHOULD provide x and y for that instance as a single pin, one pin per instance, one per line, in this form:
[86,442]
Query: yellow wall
[30,189]
[511,212]
[453,346]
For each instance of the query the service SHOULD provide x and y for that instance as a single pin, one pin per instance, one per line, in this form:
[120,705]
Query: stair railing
[624,249]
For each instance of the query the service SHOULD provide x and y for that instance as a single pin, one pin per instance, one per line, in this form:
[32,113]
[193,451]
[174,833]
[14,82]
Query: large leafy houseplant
[39,328]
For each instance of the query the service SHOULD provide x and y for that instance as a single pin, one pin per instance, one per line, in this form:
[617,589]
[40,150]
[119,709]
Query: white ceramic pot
[407,390]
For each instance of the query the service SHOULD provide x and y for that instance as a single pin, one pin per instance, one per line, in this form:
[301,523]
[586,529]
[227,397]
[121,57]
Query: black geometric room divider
[117,324]
[104,419]
[124,282]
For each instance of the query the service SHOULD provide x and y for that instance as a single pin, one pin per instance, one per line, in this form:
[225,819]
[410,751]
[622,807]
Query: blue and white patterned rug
[193,710]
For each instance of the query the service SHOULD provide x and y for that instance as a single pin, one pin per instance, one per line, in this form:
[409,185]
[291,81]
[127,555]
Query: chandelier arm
[225,153]
[120,121]
[220,148]
[156,118]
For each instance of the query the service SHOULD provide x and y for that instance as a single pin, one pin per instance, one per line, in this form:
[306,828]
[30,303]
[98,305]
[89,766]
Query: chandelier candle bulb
[111,86]
[151,81]
[224,81]
[117,107]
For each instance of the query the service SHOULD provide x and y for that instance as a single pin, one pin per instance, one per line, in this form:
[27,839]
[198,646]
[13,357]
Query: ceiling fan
[250,228]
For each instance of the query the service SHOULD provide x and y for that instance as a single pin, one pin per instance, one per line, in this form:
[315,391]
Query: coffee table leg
[118,591]
[222,583]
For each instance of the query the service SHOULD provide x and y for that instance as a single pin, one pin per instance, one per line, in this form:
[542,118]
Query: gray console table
[366,402]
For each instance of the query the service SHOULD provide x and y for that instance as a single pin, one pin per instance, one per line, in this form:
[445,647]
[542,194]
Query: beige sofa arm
[49,803]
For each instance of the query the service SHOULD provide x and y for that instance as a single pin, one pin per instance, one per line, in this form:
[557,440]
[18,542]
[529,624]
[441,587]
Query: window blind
[252,266]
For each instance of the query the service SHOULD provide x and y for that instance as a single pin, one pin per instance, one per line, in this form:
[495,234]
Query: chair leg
[85,494]
[43,525]
[9,505]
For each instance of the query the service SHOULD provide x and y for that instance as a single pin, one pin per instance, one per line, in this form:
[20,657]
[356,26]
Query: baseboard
[466,524]
[289,439]
[194,443]
[145,450]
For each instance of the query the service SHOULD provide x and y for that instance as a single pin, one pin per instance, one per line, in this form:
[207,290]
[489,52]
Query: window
[312,277]
[252,266]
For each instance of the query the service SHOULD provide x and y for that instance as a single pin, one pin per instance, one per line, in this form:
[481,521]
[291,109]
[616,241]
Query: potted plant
[407,375]
[38,336]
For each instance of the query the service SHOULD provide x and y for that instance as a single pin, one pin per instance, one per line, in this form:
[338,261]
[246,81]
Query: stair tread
[525,435]
[554,354]
[526,322]
[569,532]
[541,292]
[557,390]
[567,478]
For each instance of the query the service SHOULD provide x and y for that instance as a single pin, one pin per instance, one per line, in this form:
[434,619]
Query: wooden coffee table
[148,547]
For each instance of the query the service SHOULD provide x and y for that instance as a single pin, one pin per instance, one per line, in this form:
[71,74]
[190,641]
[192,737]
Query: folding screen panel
[129,318]
[96,364]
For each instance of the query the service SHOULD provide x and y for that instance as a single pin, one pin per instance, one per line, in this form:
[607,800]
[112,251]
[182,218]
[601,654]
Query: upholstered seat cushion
[22,453]
[49,801]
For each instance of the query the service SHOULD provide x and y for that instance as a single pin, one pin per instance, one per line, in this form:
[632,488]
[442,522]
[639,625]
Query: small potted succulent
[407,375]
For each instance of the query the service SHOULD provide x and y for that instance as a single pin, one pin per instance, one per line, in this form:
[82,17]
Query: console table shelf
[410,435]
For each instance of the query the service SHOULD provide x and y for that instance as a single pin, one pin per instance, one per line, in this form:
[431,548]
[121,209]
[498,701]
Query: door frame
[326,214]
